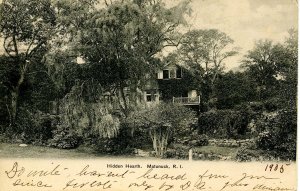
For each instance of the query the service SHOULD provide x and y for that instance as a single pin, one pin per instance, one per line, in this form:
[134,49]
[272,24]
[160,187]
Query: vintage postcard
[156,95]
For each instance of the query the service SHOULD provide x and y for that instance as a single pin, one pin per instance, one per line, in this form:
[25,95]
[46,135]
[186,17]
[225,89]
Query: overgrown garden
[73,73]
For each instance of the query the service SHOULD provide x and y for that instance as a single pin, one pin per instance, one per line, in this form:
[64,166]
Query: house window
[152,96]
[156,97]
[148,96]
[172,74]
[178,73]
[160,75]
[166,74]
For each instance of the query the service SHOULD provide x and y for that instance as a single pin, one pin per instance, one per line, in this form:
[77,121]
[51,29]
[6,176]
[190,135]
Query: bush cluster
[124,143]
[193,140]
[230,124]
[64,138]
[32,127]
[178,153]
[280,132]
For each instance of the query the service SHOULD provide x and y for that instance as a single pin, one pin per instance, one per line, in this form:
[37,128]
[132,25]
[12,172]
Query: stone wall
[231,142]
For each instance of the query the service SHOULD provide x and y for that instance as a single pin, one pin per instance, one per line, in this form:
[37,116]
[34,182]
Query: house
[172,83]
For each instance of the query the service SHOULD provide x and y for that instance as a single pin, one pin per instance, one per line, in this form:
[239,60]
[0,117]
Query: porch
[187,100]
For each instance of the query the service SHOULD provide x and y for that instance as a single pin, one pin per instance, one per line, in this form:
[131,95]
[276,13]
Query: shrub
[202,140]
[33,126]
[280,132]
[225,123]
[123,143]
[177,153]
[80,118]
[64,138]
[161,122]
[271,104]
[246,155]
[266,140]
[115,146]
[192,140]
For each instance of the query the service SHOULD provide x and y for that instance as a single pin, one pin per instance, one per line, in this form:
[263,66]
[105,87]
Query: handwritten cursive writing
[57,176]
[102,184]
[20,182]
[18,171]
[240,183]
[86,172]
[269,188]
[144,185]
[150,175]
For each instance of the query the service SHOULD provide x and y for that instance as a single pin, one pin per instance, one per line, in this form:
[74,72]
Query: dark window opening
[166,74]
[185,94]
[178,73]
[148,98]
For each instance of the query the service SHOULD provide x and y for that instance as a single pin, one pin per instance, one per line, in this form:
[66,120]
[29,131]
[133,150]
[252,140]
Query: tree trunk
[160,141]
[15,94]
[154,141]
[14,104]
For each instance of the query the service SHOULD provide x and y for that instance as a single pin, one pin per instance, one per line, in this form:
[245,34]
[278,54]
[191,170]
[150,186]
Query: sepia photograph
[143,89]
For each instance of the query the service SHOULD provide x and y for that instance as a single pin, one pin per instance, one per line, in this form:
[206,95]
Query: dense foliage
[162,122]
[203,52]
[283,124]
[226,123]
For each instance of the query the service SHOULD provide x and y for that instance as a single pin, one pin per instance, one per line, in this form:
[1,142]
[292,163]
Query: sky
[245,21]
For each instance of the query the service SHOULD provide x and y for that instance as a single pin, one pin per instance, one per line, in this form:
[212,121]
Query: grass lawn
[224,151]
[15,151]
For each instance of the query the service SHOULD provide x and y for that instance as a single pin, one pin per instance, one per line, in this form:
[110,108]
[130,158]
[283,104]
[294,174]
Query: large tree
[120,43]
[274,67]
[26,26]
[288,93]
[204,53]
[262,65]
